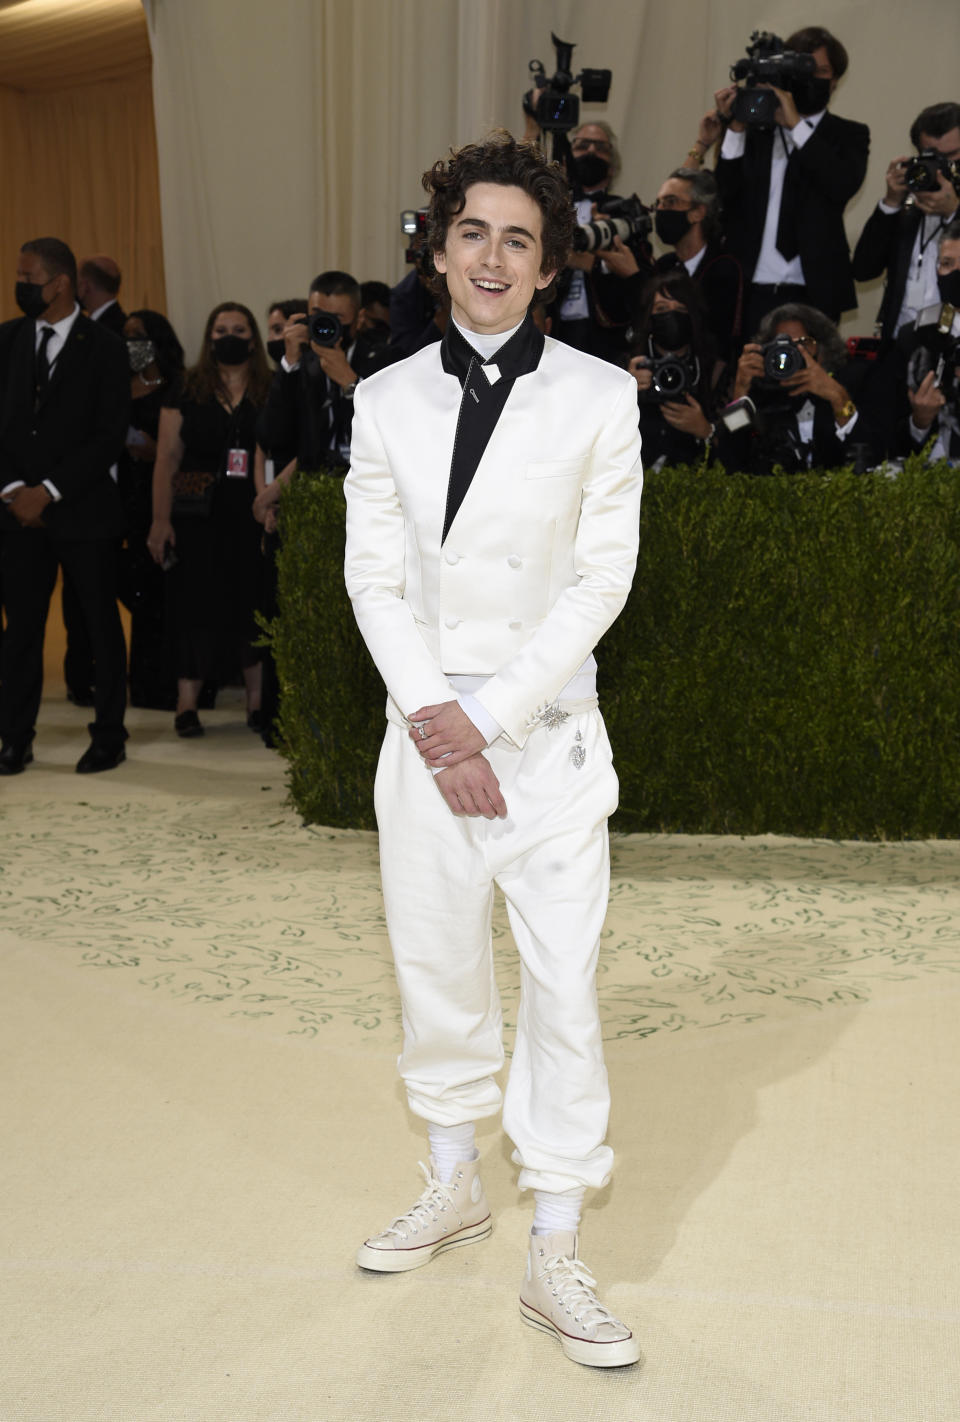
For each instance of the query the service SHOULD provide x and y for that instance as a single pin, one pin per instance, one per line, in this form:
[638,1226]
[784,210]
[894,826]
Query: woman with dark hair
[676,401]
[156,370]
[203,530]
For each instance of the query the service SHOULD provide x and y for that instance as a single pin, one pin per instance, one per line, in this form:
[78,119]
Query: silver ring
[423,734]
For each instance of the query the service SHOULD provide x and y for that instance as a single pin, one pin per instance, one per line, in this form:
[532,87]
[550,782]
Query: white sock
[557,1212]
[449,1145]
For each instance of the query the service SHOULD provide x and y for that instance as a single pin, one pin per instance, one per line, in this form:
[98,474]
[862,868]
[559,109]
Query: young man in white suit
[493,508]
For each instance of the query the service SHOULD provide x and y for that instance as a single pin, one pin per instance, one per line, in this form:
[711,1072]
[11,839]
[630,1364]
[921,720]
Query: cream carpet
[201,1120]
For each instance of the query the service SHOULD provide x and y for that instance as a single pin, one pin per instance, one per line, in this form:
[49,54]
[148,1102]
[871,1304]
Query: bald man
[98,285]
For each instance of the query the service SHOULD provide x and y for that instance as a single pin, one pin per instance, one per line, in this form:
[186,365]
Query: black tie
[787,244]
[43,365]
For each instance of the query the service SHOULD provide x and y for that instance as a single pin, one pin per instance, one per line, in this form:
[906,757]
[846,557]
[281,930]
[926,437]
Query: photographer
[784,188]
[686,218]
[672,368]
[310,405]
[793,421]
[900,236]
[929,357]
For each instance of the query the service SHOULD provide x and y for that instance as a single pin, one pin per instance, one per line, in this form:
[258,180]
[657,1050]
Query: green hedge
[787,662]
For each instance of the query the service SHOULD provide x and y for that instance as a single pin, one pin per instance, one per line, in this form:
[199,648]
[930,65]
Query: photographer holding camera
[687,218]
[921,200]
[673,368]
[929,358]
[310,405]
[792,407]
[787,172]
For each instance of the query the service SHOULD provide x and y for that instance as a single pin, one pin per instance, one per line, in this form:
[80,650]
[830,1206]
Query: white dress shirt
[61,330]
[920,289]
[772,267]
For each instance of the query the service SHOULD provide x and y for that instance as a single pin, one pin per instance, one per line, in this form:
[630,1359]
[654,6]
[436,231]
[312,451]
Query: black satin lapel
[481,404]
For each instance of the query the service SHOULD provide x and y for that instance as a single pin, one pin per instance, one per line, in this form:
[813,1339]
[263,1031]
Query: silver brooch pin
[552,716]
[578,752]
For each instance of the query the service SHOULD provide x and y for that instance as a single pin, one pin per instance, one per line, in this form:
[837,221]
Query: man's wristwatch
[347,391]
[846,412]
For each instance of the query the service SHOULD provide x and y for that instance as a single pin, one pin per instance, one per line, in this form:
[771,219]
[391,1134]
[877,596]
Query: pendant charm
[552,716]
[578,753]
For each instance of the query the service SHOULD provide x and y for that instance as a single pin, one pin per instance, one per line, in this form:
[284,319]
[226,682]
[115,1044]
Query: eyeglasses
[671,204]
[807,342]
[580,145]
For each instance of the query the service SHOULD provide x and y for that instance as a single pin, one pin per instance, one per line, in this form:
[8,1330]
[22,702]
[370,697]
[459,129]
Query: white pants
[550,857]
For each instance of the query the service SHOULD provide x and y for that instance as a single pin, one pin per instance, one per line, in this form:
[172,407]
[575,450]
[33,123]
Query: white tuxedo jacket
[540,556]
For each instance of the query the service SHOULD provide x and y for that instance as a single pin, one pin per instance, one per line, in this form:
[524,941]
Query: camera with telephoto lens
[922,174]
[767,62]
[672,377]
[325,328]
[413,223]
[550,102]
[782,359]
[618,217]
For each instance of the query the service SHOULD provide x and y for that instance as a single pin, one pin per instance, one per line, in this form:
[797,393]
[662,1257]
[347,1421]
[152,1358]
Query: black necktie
[787,244]
[43,364]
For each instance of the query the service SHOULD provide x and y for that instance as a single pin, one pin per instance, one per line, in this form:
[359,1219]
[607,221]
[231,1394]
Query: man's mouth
[483,284]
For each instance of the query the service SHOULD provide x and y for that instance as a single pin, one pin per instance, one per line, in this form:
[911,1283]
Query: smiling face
[492,258]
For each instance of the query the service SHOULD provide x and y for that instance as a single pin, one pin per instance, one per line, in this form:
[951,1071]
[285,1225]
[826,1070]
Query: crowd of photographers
[722,297]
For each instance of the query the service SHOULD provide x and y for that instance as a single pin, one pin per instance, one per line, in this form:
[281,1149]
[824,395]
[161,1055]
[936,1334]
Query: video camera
[413,223]
[921,174]
[766,62]
[618,217]
[557,110]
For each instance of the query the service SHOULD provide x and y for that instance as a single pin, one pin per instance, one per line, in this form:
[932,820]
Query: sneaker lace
[574,1286]
[436,1198]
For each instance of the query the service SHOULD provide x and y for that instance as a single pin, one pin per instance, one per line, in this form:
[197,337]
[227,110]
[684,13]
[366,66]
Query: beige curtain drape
[291,134]
[81,164]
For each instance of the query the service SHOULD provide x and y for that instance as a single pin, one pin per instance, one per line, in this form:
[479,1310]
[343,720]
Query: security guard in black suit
[64,411]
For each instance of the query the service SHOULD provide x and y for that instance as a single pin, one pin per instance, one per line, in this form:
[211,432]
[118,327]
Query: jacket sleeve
[374,570]
[605,556]
[875,253]
[278,426]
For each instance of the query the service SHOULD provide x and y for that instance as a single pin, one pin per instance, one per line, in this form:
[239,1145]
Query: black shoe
[187,724]
[100,758]
[255,721]
[80,695]
[14,758]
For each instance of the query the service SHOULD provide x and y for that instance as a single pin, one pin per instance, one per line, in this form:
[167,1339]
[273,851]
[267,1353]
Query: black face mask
[277,349]
[140,353]
[231,350]
[590,170]
[30,298]
[811,95]
[670,225]
[949,288]
[671,330]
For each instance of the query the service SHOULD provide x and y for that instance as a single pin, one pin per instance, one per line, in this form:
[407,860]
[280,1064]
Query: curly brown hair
[502,159]
[203,379]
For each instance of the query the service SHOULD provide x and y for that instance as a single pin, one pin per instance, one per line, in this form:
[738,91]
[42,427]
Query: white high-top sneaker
[558,1297]
[444,1217]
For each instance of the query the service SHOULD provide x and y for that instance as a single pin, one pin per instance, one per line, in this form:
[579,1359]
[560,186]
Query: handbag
[193,492]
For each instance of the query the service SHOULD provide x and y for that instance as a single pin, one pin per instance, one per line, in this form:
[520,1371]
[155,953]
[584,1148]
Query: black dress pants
[29,558]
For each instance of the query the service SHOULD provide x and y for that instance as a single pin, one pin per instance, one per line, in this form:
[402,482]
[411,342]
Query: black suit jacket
[113,319]
[73,434]
[885,245]
[826,171]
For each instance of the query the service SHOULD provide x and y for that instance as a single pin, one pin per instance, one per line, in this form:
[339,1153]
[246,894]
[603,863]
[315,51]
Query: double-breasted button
[452,622]
[451,557]
[515,561]
[515,626]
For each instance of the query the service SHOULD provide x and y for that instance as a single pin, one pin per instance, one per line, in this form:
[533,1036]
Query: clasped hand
[444,732]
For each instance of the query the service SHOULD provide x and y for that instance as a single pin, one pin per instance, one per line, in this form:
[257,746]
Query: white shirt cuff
[885,207]
[480,716]
[734,144]
[844,430]
[9,488]
[285,365]
[918,435]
